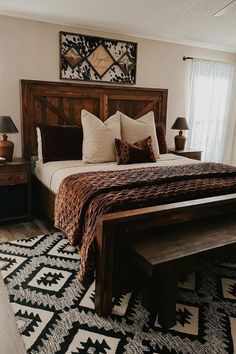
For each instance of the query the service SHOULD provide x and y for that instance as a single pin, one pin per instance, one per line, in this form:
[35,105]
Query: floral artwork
[90,58]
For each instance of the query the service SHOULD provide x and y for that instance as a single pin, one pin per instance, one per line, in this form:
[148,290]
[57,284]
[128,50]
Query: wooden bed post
[104,260]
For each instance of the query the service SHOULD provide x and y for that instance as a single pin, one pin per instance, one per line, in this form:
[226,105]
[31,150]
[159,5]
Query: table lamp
[180,124]
[6,127]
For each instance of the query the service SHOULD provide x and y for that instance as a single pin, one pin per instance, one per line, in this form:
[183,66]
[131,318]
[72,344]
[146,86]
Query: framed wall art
[98,59]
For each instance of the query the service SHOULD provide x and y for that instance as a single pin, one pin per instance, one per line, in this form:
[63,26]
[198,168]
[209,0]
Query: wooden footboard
[113,228]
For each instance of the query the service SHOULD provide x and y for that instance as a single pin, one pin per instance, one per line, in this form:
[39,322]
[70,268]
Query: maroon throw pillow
[134,153]
[161,137]
[61,142]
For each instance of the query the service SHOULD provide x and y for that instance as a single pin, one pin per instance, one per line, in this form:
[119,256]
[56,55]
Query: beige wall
[30,50]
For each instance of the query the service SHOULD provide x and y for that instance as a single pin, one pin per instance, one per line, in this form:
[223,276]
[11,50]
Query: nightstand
[190,153]
[15,190]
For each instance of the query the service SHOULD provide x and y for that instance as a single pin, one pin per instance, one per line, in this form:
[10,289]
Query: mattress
[51,174]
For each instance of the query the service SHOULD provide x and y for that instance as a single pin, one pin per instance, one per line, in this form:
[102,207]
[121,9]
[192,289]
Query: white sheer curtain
[229,155]
[210,105]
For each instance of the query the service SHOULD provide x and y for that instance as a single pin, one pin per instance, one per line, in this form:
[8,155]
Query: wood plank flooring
[10,341]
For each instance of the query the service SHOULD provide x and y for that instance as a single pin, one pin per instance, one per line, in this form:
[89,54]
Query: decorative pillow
[61,142]
[99,137]
[161,137]
[139,152]
[133,130]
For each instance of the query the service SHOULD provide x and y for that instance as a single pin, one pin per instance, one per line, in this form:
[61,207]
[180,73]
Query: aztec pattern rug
[55,313]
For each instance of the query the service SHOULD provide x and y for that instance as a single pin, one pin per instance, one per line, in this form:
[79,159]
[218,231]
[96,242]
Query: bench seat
[164,258]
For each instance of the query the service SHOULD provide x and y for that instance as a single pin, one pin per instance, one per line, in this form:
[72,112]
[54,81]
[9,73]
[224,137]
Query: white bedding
[52,173]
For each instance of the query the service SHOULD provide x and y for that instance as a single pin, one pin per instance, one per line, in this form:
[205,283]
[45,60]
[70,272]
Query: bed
[61,103]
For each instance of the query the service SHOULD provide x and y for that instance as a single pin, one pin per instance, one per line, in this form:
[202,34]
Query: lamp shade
[180,124]
[7,126]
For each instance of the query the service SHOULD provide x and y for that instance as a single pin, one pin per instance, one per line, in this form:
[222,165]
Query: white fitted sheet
[52,173]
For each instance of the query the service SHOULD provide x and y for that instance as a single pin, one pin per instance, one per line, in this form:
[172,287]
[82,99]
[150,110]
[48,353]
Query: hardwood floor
[10,341]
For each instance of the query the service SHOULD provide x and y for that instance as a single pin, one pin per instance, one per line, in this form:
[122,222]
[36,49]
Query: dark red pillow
[134,153]
[161,137]
[61,142]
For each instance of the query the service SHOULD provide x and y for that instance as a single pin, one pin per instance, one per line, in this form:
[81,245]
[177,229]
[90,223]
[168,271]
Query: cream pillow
[99,137]
[133,130]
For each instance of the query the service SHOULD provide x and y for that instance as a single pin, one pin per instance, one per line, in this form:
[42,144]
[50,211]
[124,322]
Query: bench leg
[159,298]
[167,301]
[150,298]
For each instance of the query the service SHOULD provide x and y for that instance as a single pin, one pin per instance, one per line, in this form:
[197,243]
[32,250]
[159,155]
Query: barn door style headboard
[61,103]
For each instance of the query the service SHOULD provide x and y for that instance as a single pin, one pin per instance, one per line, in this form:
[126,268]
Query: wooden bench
[164,258]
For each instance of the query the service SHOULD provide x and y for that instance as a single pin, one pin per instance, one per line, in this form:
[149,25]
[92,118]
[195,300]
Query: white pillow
[39,141]
[133,130]
[99,137]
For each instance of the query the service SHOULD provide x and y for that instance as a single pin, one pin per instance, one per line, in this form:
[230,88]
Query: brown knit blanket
[84,196]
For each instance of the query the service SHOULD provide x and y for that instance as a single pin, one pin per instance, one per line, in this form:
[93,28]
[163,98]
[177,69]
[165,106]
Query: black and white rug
[55,313]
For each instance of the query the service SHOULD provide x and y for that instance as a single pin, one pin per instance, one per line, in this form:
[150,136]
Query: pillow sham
[60,142]
[161,137]
[139,152]
[133,130]
[99,137]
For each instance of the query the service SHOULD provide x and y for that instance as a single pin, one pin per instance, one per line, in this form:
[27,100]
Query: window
[209,107]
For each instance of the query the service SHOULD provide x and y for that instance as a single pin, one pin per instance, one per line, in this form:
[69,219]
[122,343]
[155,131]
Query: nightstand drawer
[8,178]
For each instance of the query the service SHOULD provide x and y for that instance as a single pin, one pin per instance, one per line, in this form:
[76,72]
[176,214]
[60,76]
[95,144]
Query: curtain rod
[219,61]
[188,58]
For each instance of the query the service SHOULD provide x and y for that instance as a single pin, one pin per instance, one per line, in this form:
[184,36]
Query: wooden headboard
[61,103]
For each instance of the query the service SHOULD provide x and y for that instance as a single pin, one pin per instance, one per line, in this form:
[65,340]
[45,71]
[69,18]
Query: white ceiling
[181,21]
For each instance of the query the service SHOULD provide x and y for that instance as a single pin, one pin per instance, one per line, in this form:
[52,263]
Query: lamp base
[180,141]
[6,149]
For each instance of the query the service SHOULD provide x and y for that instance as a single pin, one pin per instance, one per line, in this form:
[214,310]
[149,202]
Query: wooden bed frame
[61,103]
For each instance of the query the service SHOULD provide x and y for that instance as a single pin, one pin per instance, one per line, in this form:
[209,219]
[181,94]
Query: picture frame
[89,58]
